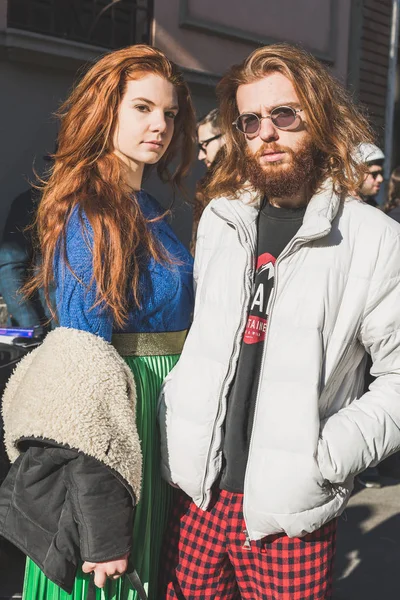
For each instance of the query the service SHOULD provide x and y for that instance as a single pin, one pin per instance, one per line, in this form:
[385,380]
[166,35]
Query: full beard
[283,179]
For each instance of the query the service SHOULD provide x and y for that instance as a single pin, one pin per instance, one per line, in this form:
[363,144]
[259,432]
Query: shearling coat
[336,297]
[69,420]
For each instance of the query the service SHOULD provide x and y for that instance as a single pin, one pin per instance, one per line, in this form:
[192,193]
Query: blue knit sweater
[166,291]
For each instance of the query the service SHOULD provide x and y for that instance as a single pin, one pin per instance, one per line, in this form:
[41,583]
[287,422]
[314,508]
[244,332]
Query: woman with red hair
[123,282]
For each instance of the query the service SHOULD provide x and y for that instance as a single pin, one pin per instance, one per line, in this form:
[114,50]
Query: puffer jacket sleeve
[200,238]
[200,258]
[368,430]
[102,507]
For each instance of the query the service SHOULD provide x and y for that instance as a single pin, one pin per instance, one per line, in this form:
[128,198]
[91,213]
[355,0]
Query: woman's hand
[112,569]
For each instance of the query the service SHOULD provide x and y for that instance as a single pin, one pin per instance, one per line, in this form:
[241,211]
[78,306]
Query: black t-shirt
[276,227]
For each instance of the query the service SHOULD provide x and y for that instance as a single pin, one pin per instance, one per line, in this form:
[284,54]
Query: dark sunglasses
[282,117]
[375,174]
[203,145]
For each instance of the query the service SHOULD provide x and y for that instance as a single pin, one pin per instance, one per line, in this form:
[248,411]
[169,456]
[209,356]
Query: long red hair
[87,172]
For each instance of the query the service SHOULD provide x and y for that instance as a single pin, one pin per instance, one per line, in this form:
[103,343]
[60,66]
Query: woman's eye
[170,115]
[142,107]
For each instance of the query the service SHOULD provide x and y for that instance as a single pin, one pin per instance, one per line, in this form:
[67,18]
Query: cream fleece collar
[76,389]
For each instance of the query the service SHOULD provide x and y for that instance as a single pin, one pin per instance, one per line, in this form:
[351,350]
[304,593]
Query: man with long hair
[264,423]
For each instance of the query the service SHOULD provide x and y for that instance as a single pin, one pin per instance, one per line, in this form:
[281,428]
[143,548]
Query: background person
[373,157]
[392,205]
[209,136]
[210,144]
[390,467]
[18,261]
[16,257]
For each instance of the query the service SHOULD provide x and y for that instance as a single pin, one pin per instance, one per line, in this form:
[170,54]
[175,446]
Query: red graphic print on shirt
[256,326]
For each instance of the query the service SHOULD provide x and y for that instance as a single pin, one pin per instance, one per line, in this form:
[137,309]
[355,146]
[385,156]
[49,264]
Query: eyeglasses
[376,174]
[282,117]
[203,145]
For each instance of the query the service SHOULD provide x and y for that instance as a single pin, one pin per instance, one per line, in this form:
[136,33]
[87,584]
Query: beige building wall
[208,36]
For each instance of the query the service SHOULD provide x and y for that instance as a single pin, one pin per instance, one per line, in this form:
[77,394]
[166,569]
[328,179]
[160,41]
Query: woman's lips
[154,145]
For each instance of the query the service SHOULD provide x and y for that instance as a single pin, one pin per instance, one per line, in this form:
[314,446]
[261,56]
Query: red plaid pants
[206,556]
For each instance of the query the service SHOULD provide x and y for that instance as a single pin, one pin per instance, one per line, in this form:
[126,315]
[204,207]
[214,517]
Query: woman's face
[145,123]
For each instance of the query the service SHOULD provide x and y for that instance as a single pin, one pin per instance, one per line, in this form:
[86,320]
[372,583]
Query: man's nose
[268,131]
[202,155]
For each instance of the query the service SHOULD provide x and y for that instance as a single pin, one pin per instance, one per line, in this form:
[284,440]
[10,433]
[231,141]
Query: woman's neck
[132,171]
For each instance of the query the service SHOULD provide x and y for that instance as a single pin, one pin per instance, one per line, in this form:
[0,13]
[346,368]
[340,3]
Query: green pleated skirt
[151,512]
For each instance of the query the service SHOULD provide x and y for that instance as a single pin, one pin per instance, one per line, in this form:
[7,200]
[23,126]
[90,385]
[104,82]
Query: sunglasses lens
[248,123]
[283,116]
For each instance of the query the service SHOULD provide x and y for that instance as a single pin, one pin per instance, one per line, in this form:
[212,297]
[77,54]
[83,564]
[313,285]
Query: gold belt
[149,344]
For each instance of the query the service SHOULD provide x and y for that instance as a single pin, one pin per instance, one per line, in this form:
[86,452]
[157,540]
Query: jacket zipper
[227,378]
[296,242]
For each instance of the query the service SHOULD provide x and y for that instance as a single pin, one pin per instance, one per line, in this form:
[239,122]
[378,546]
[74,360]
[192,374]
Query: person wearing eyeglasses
[210,146]
[373,158]
[390,467]
[210,138]
[264,421]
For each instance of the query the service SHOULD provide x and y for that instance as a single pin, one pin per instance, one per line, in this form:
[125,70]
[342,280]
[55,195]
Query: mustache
[272,147]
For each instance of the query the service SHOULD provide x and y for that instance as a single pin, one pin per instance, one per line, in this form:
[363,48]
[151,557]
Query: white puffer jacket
[336,295]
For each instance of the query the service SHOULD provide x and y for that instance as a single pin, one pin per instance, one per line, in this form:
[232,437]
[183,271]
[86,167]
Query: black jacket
[62,507]
[69,413]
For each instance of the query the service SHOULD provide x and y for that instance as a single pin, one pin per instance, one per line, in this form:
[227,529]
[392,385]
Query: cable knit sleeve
[75,292]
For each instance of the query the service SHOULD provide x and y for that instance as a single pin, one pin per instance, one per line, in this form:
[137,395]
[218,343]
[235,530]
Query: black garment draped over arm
[62,507]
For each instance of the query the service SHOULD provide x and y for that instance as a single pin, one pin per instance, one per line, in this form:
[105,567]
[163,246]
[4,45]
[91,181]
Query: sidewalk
[368,553]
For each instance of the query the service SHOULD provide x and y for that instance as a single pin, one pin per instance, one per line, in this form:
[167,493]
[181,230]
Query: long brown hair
[336,126]
[393,191]
[87,172]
